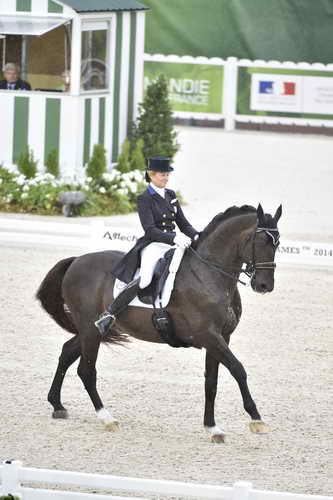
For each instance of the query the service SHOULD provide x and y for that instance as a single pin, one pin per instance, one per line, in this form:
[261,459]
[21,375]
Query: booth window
[94,67]
[40,47]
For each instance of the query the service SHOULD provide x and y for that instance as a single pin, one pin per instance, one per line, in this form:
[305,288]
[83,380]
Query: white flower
[20,180]
[25,187]
[24,195]
[122,191]
[0,181]
[89,179]
[137,175]
[108,177]
[133,186]
[102,190]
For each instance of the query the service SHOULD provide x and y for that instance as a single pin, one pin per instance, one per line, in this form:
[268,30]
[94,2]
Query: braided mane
[226,215]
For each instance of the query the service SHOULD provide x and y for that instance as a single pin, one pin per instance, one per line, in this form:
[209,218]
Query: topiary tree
[97,163]
[26,164]
[123,164]
[155,122]
[52,163]
[137,161]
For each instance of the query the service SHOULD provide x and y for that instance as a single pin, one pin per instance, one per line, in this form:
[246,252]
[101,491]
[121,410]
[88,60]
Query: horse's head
[259,251]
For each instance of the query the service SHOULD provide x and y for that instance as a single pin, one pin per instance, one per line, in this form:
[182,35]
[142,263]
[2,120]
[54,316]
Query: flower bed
[114,193]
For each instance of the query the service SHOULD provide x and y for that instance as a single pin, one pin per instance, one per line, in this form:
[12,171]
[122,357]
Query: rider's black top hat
[159,164]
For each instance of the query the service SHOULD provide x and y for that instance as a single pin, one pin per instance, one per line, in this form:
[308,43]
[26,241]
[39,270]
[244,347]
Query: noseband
[253,266]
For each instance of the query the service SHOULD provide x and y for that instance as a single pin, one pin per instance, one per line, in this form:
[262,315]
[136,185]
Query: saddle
[161,318]
[154,290]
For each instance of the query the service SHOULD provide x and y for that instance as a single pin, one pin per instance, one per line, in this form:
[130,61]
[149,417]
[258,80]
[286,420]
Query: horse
[205,306]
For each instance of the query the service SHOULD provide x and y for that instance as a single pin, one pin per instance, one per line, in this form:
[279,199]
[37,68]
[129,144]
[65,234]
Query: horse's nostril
[263,287]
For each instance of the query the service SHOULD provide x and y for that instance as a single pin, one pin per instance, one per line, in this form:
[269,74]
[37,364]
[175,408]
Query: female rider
[159,212]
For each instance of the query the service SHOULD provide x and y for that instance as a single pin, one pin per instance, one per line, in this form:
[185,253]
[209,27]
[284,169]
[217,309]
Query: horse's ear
[278,214]
[260,214]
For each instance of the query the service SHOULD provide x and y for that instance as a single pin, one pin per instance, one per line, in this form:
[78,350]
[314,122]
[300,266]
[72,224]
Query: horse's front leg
[211,374]
[218,348]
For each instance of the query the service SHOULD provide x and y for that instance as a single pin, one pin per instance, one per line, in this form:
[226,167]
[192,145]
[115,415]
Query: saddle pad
[168,287]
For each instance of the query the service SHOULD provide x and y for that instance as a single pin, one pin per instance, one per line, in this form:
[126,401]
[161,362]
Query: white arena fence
[13,475]
[98,236]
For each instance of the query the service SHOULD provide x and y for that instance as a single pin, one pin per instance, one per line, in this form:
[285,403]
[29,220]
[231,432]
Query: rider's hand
[182,241]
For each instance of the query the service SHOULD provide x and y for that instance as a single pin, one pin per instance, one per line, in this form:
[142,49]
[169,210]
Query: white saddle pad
[168,286]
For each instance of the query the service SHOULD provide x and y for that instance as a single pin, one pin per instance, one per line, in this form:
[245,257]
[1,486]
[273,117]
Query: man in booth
[12,79]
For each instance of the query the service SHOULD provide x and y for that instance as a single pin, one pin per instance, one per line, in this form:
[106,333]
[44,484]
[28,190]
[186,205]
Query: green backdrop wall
[284,30]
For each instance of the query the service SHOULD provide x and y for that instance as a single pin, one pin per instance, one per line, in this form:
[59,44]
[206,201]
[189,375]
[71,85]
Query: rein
[216,267]
[252,266]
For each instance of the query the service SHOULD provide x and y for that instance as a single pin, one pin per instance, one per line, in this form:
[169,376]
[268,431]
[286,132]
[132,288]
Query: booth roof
[104,5]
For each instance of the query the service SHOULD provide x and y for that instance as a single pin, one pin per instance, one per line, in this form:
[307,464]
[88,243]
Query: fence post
[241,490]
[10,480]
[230,93]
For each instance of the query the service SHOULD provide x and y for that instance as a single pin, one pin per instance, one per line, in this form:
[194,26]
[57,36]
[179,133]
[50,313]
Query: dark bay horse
[205,306]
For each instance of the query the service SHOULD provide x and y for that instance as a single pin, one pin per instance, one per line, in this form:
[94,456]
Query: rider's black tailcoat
[158,217]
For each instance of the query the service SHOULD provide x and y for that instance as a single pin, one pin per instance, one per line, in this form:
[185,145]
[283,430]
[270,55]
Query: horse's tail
[50,296]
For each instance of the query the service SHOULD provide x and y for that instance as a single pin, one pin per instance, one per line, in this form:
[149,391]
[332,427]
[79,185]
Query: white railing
[318,93]
[13,474]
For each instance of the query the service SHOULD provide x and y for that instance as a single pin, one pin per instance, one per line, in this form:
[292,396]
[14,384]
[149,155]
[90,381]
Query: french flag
[284,88]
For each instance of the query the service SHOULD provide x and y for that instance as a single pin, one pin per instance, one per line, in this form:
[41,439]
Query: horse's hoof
[112,426]
[216,434]
[60,414]
[259,427]
[218,438]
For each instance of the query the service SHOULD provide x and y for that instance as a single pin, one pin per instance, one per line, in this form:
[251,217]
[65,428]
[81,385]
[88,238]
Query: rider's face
[160,179]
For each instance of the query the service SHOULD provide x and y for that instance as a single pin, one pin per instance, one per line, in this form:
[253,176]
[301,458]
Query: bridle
[251,267]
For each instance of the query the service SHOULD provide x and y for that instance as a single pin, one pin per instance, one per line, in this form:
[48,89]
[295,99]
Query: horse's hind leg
[90,343]
[219,350]
[70,352]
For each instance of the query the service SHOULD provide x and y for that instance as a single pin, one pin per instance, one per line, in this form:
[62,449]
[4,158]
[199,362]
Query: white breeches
[149,257]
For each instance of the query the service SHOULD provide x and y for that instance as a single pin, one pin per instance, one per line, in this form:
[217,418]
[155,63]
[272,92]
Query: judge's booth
[84,62]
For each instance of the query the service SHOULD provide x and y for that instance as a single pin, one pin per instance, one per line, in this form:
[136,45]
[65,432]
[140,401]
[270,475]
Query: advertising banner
[291,94]
[302,252]
[289,251]
[197,88]
[285,92]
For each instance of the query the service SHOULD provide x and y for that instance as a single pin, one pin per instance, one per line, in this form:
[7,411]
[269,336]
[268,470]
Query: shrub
[137,159]
[97,163]
[26,164]
[123,164]
[155,122]
[114,193]
[52,163]
[9,497]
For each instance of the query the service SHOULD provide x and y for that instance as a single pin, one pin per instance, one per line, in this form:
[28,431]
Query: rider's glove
[182,241]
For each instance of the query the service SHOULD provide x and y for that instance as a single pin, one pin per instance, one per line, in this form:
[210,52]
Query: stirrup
[104,322]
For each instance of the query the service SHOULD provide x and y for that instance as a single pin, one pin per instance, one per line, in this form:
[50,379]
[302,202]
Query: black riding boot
[107,319]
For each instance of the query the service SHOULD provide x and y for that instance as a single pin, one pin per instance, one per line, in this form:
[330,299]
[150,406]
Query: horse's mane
[226,215]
